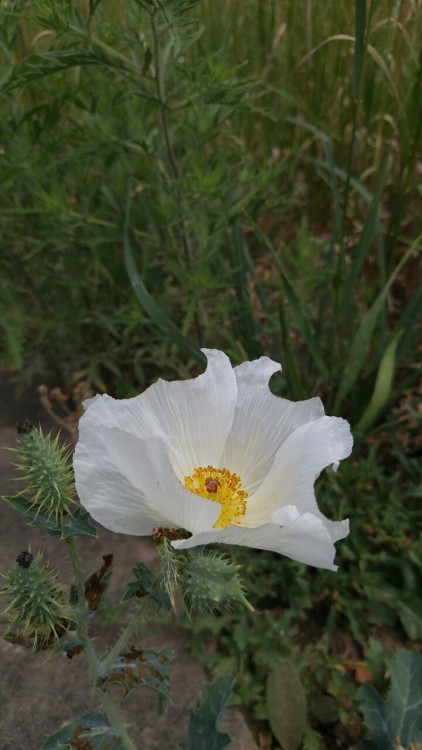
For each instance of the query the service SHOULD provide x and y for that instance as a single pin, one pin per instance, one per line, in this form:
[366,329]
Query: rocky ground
[39,694]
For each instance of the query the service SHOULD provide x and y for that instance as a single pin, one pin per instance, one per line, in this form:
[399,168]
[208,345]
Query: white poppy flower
[219,456]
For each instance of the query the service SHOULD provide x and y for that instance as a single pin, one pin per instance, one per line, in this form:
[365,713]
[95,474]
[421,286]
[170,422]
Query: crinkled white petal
[305,539]
[261,422]
[289,514]
[196,415]
[297,464]
[106,493]
[144,491]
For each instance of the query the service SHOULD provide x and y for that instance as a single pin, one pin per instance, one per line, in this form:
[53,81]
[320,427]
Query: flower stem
[118,647]
[94,663]
[110,709]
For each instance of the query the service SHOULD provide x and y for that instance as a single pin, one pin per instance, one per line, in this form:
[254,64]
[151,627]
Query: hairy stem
[94,663]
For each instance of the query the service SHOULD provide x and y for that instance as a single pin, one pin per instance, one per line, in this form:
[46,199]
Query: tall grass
[268,154]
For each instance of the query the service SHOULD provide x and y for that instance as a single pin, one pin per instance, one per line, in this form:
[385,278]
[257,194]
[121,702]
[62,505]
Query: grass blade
[360,25]
[151,308]
[359,347]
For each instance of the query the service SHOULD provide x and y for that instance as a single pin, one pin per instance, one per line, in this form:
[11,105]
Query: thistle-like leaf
[135,668]
[146,584]
[90,730]
[77,524]
[204,733]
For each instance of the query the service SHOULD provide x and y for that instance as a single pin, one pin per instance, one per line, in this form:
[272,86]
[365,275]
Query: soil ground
[40,694]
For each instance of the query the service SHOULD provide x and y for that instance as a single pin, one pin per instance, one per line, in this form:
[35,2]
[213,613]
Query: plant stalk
[94,663]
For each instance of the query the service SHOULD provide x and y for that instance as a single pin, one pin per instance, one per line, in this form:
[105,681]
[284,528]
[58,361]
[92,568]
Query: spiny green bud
[37,604]
[212,582]
[172,565]
[44,466]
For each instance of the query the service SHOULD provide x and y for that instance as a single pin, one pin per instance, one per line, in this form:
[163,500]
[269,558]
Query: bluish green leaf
[140,667]
[204,733]
[145,583]
[91,728]
[78,524]
[400,715]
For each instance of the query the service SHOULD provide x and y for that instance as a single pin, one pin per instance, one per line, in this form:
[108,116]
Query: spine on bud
[44,467]
[37,605]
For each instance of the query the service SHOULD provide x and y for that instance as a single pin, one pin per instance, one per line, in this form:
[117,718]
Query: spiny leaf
[204,733]
[90,730]
[145,583]
[137,668]
[400,715]
[77,525]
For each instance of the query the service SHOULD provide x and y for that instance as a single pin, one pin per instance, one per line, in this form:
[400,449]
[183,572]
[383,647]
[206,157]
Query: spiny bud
[172,565]
[45,468]
[37,604]
[212,582]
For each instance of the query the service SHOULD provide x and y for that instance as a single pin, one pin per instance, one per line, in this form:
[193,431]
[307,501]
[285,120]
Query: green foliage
[135,668]
[146,583]
[89,728]
[204,733]
[398,719]
[286,704]
[77,524]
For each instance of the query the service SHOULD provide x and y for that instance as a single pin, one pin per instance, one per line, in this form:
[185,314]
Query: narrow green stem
[126,635]
[94,663]
[110,709]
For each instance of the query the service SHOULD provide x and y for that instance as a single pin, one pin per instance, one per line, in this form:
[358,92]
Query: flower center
[223,487]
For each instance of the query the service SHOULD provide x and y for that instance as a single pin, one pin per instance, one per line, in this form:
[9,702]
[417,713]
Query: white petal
[106,493]
[301,458]
[261,422]
[196,415]
[286,515]
[306,540]
[156,497]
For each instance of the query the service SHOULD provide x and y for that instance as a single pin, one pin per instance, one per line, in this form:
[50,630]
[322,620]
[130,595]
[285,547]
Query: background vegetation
[246,176]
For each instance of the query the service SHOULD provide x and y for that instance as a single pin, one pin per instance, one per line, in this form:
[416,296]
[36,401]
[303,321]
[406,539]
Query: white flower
[219,456]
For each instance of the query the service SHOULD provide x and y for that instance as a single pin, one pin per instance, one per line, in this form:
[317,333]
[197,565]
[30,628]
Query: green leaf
[410,614]
[286,704]
[382,386]
[145,583]
[148,303]
[91,730]
[205,717]
[140,667]
[358,351]
[78,524]
[400,715]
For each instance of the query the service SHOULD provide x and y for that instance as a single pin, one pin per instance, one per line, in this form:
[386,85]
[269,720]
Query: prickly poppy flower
[219,456]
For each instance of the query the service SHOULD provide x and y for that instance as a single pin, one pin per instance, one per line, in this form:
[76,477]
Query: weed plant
[241,175]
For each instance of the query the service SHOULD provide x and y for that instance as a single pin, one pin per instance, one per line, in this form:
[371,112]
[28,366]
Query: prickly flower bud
[44,466]
[172,566]
[212,582]
[37,605]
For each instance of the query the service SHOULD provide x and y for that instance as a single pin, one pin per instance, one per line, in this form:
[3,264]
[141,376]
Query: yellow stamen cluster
[223,487]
